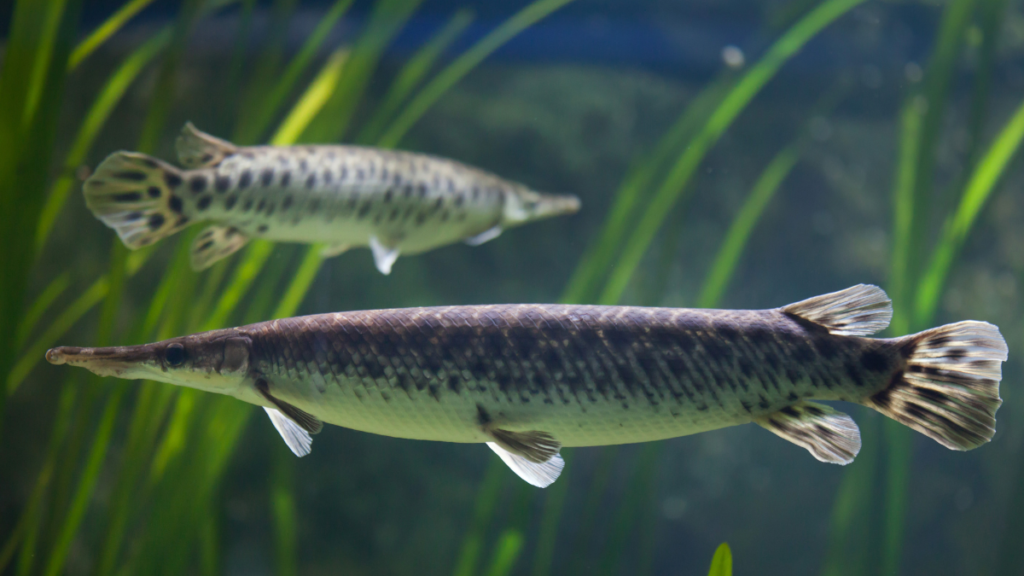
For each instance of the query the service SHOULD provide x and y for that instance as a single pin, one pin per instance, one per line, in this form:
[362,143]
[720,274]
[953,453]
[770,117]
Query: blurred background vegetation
[733,153]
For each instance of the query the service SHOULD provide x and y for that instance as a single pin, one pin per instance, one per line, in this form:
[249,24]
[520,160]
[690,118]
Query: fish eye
[175,355]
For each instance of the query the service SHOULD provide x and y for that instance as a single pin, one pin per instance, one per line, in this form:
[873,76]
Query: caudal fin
[949,390]
[136,196]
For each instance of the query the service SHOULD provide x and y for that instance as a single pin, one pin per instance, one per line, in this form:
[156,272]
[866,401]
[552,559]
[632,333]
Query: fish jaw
[523,205]
[217,365]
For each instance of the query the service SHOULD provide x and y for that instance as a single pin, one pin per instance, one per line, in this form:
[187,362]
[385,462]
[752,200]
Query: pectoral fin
[829,435]
[215,243]
[303,419]
[383,256]
[485,236]
[297,439]
[532,455]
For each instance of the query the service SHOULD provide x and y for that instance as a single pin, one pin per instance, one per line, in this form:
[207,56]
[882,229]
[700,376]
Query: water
[576,103]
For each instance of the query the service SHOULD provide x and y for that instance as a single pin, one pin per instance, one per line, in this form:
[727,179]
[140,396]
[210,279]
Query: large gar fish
[530,379]
[342,196]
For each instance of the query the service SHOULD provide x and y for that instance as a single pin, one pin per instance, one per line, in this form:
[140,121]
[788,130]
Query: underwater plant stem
[40,305]
[412,73]
[506,552]
[462,65]
[282,506]
[105,30]
[486,498]
[735,102]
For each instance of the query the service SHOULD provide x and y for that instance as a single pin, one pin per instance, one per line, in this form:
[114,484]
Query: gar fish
[530,379]
[343,196]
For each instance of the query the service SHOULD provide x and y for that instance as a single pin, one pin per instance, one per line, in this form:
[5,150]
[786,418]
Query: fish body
[530,379]
[341,196]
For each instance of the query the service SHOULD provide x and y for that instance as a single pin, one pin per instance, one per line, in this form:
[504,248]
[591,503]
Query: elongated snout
[556,205]
[108,361]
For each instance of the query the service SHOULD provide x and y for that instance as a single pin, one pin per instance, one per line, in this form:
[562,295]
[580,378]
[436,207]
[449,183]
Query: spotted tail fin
[949,389]
[136,196]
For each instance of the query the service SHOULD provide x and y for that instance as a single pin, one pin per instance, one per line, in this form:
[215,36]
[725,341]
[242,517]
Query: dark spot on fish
[455,384]
[364,210]
[286,179]
[270,209]
[792,397]
[222,183]
[206,245]
[156,221]
[204,202]
[287,202]
[230,202]
[421,190]
[197,184]
[182,221]
[172,180]
[387,196]
[127,197]
[311,181]
[262,203]
[874,361]
[482,417]
[247,205]
[132,216]
[149,162]
[763,403]
[314,205]
[262,228]
[206,158]
[459,199]
[826,346]
[244,180]
[175,204]
[130,175]
[153,192]
[230,232]
[435,392]
[328,177]
[266,177]
[956,354]
[747,406]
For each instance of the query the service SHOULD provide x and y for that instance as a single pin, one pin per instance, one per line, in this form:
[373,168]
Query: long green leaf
[108,28]
[721,562]
[735,102]
[462,65]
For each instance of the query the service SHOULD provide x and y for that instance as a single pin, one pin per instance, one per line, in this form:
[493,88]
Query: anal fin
[485,236]
[215,243]
[297,439]
[829,435]
[304,419]
[383,256]
[532,455]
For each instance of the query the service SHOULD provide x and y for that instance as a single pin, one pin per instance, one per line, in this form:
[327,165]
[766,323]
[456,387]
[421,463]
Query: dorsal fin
[197,149]
[860,310]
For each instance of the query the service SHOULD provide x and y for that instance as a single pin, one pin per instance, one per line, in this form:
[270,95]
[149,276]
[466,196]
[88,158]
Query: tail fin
[949,390]
[136,196]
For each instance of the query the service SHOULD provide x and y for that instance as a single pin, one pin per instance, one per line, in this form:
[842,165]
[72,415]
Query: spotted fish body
[342,196]
[529,379]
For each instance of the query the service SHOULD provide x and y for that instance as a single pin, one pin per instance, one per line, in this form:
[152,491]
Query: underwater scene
[471,288]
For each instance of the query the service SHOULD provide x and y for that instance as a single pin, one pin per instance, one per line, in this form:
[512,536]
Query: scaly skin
[587,375]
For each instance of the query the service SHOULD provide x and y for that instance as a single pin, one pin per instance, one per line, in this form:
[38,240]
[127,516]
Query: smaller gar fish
[529,379]
[343,196]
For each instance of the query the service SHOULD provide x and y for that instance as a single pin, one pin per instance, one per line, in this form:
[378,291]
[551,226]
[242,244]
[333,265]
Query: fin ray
[539,474]
[197,149]
[860,310]
[215,243]
[135,195]
[298,440]
[303,419]
[383,257]
[829,435]
[949,390]
[485,236]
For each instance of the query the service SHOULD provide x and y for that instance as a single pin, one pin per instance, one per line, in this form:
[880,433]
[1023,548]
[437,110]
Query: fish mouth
[557,205]
[108,361]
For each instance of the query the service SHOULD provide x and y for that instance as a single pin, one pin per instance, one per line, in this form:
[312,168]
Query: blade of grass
[313,100]
[41,304]
[95,119]
[735,102]
[92,296]
[506,552]
[286,84]
[282,505]
[486,499]
[413,73]
[721,562]
[108,28]
[979,189]
[462,65]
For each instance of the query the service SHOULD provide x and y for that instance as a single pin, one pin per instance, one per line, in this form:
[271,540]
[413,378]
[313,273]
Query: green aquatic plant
[721,562]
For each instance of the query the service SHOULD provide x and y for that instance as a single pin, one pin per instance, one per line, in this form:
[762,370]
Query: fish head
[523,205]
[212,362]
